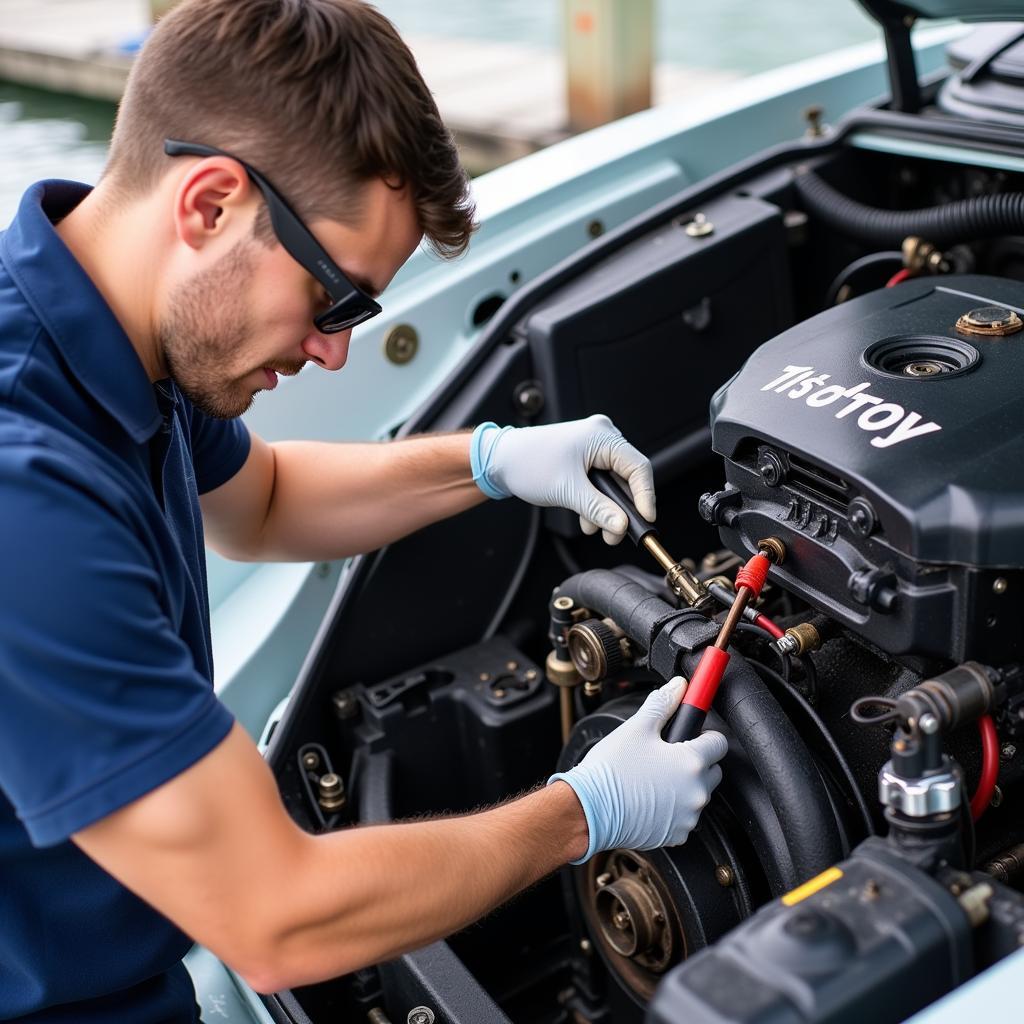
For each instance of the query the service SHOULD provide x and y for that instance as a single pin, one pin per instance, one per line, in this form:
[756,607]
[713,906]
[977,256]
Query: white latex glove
[548,466]
[639,792]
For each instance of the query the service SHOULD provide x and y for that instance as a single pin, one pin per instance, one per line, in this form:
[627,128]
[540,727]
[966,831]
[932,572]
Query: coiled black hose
[965,220]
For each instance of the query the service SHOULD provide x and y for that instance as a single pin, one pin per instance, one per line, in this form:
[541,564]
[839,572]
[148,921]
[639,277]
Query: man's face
[229,330]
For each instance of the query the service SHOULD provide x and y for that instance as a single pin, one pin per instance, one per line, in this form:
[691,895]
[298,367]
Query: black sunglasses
[350,305]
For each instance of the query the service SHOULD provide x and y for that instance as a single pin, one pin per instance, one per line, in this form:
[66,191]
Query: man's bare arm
[309,501]
[215,851]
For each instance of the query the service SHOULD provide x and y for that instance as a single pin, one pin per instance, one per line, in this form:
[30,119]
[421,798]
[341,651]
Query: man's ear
[214,199]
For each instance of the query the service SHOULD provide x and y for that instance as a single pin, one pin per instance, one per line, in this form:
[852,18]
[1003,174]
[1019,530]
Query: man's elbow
[282,965]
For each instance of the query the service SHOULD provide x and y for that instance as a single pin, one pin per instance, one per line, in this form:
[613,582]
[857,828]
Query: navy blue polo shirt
[106,671]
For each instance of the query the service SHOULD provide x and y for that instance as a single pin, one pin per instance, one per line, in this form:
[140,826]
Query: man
[137,322]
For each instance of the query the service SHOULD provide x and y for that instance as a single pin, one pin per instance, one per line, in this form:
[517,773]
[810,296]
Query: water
[46,135]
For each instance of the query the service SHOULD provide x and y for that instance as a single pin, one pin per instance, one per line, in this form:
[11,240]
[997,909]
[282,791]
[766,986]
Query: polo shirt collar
[73,312]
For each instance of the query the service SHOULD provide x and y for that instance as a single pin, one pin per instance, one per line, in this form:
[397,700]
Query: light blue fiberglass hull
[535,213]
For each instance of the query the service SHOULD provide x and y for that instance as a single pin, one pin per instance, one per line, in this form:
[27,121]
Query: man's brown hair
[320,96]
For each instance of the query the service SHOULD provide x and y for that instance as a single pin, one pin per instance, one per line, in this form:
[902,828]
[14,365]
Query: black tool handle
[606,482]
[687,723]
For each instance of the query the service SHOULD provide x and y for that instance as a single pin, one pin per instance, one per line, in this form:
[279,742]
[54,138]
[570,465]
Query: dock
[501,100]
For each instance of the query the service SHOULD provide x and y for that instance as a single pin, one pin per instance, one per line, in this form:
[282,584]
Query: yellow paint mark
[809,888]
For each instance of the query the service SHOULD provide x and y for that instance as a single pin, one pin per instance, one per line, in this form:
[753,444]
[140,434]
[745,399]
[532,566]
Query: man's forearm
[334,500]
[368,894]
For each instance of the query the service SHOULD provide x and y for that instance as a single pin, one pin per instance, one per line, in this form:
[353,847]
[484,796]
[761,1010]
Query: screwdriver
[700,693]
[680,580]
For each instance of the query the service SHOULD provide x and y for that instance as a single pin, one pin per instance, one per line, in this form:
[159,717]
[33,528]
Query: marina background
[469,51]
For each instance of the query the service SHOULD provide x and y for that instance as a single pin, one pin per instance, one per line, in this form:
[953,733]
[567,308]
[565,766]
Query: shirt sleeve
[219,449]
[101,700]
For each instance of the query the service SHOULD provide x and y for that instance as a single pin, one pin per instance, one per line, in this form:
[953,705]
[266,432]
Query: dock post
[609,50]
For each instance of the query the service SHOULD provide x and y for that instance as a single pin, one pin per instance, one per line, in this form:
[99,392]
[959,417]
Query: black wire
[880,702]
[870,261]
[565,556]
[520,573]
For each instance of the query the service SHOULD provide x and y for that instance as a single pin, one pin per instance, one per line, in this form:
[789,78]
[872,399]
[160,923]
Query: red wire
[989,766]
[900,275]
[768,626]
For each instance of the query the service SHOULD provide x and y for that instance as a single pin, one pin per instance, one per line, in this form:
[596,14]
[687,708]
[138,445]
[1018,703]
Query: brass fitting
[799,639]
[561,672]
[773,549]
[331,792]
[921,257]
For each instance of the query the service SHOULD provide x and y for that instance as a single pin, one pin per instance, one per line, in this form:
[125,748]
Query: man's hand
[549,465]
[639,792]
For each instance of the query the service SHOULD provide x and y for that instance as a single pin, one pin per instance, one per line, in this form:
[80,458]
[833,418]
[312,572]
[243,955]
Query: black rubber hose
[783,763]
[865,267]
[965,220]
[771,741]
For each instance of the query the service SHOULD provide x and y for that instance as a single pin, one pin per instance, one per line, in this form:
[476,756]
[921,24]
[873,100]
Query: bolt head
[999,585]
[861,517]
[528,398]
[345,704]
[725,876]
[420,1015]
[769,465]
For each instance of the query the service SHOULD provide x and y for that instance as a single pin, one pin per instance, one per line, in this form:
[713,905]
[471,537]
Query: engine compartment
[871,429]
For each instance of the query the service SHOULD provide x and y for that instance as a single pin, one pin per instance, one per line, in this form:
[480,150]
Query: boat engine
[895,491]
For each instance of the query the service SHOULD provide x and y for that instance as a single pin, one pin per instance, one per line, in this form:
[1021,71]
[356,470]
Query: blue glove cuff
[481,448]
[588,813]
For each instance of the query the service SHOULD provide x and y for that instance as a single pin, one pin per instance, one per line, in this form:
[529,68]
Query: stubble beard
[204,334]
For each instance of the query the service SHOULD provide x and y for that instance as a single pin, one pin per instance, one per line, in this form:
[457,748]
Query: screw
[485,677]
[595,229]
[311,761]
[531,674]
[725,876]
[345,704]
[862,517]
[699,227]
[498,692]
[563,604]
[813,116]
[528,398]
[999,585]
[929,723]
[420,1015]
[586,946]
[401,344]
[769,465]
[621,920]
[511,665]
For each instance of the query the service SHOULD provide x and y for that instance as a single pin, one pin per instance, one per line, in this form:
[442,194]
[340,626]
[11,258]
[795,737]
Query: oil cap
[990,321]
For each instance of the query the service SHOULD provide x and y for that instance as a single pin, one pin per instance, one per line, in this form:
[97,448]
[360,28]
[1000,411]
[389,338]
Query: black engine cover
[885,446]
